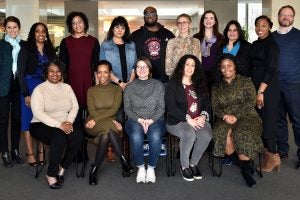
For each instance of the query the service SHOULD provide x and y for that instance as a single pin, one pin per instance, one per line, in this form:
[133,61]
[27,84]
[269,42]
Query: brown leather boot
[272,162]
[110,155]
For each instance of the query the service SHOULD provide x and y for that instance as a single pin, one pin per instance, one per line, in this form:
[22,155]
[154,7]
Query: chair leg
[258,170]
[80,171]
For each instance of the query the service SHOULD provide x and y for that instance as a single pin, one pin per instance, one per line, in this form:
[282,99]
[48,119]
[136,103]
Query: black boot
[247,173]
[127,169]
[15,156]
[93,175]
[6,160]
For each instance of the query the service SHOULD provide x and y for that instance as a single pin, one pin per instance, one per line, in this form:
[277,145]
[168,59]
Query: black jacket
[177,104]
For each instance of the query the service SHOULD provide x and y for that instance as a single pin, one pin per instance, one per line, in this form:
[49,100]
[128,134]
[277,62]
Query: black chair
[39,167]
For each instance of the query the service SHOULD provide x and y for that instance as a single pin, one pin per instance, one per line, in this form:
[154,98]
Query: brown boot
[110,155]
[272,162]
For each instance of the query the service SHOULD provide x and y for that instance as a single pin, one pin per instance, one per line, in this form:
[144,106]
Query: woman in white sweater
[54,108]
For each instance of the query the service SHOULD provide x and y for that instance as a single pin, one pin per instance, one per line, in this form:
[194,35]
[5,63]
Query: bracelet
[260,92]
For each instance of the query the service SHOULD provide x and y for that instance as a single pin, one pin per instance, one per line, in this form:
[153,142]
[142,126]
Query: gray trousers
[190,137]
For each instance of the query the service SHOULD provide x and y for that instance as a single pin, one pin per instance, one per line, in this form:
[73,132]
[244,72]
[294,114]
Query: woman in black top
[264,55]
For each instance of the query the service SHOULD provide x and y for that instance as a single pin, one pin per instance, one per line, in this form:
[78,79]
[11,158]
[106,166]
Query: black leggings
[115,140]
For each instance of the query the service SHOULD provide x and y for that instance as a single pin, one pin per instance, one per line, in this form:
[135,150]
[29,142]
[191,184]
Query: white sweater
[53,104]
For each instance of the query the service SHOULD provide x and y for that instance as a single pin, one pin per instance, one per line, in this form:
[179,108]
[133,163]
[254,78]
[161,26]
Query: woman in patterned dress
[237,127]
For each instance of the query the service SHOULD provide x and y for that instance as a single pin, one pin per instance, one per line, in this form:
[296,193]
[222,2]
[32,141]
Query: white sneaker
[150,176]
[141,175]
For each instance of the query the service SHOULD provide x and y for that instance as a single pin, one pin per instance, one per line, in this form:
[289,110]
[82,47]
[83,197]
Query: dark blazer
[6,61]
[177,104]
[242,57]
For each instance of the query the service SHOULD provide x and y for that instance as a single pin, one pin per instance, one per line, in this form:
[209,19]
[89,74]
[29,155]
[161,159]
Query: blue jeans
[289,105]
[154,135]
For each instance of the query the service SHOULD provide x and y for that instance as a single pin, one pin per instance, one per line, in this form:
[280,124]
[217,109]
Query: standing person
[188,108]
[11,54]
[39,50]
[183,44]
[151,42]
[104,101]
[264,72]
[211,40]
[288,39]
[236,44]
[54,107]
[80,53]
[120,52]
[145,106]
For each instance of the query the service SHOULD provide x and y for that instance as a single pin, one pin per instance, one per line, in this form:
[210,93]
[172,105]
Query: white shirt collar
[284,32]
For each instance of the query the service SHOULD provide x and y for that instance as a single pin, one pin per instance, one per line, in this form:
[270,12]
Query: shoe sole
[187,179]
[198,177]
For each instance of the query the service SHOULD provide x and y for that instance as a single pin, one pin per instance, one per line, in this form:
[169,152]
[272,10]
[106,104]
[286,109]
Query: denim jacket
[110,52]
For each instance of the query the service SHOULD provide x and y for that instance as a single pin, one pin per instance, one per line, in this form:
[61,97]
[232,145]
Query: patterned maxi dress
[237,98]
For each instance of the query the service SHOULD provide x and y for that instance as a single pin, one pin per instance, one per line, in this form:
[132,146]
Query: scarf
[234,50]
[16,49]
[206,45]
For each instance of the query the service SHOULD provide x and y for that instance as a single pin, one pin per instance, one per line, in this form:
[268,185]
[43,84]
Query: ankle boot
[272,162]
[246,172]
[127,169]
[15,156]
[93,175]
[6,160]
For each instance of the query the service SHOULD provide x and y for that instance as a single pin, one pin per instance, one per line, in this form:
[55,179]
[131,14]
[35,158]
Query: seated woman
[104,101]
[54,107]
[188,108]
[144,105]
[238,127]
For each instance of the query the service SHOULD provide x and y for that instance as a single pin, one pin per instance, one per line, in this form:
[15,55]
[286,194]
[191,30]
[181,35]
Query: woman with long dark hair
[39,51]
[188,111]
[211,40]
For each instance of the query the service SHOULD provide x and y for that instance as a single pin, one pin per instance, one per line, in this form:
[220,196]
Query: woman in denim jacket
[120,52]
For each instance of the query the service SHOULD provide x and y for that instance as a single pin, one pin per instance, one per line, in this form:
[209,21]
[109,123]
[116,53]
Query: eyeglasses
[142,67]
[182,23]
[150,14]
[285,15]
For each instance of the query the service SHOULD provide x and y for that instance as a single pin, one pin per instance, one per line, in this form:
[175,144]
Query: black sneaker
[196,172]
[187,174]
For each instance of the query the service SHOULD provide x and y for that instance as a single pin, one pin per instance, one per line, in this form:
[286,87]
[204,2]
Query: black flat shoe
[60,179]
[6,160]
[15,156]
[55,185]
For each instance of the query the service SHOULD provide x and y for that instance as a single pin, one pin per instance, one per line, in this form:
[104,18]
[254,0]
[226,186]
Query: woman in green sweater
[103,102]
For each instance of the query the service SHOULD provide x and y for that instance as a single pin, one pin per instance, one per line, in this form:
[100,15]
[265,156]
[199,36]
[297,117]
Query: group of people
[197,88]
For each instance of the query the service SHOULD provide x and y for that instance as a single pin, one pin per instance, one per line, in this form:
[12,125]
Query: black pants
[59,144]
[10,103]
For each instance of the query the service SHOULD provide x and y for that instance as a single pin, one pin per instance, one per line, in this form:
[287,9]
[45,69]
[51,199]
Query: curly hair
[238,66]
[239,29]
[201,34]
[31,42]
[198,78]
[75,14]
[118,21]
[59,64]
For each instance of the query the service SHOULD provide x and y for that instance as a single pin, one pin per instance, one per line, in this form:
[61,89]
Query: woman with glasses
[120,52]
[144,105]
[183,44]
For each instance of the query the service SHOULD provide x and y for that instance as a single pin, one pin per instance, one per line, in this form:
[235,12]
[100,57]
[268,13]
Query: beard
[151,24]
[286,23]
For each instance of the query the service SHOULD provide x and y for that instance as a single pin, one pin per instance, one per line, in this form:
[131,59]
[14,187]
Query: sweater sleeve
[74,110]
[37,107]
[272,55]
[160,108]
[127,104]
